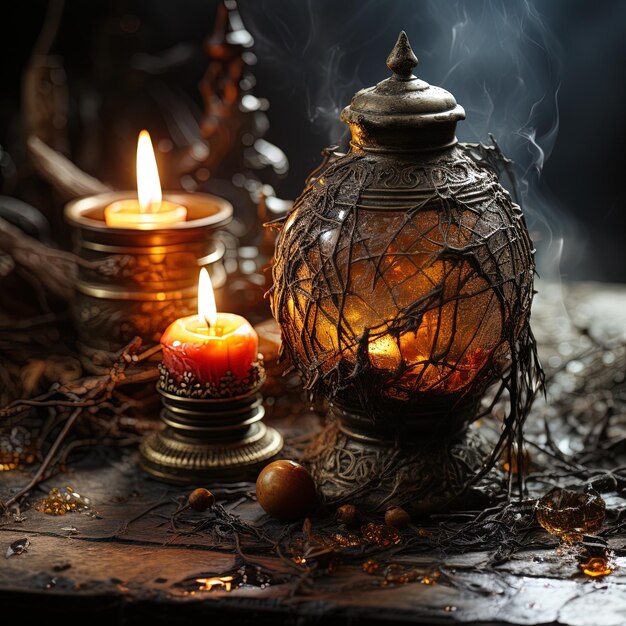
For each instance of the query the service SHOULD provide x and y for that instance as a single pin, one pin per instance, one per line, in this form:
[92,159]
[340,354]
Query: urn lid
[402,113]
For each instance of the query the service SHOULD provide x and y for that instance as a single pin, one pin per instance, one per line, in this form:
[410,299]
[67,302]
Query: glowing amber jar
[402,286]
[403,275]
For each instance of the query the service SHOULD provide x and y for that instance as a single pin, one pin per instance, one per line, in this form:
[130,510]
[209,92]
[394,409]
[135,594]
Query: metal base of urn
[378,470]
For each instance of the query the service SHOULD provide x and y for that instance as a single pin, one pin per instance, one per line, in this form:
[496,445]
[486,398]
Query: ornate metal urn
[403,281]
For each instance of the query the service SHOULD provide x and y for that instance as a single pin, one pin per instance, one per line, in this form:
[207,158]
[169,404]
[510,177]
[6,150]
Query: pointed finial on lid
[402,113]
[401,59]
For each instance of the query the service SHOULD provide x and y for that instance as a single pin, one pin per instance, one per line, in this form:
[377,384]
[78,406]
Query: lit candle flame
[206,299]
[148,183]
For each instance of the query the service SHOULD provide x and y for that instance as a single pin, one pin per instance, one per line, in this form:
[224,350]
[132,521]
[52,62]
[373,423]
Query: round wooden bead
[397,517]
[201,499]
[347,514]
[286,490]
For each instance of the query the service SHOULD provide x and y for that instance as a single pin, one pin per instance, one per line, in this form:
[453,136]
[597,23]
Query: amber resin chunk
[597,567]
[16,449]
[370,566]
[381,535]
[571,514]
[59,503]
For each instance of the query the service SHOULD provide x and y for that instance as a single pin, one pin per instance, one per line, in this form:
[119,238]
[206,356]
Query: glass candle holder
[134,282]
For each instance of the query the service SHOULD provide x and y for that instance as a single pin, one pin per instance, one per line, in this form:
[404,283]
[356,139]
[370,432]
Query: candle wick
[217,331]
[208,325]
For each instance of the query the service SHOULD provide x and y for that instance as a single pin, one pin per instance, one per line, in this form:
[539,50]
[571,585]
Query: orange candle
[148,210]
[210,345]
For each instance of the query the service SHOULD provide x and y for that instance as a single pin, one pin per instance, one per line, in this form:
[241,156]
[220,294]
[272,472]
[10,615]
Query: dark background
[545,77]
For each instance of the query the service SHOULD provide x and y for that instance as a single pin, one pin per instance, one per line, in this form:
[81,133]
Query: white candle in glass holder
[148,210]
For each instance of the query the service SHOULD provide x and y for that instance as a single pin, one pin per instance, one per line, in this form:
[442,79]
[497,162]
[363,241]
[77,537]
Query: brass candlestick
[210,431]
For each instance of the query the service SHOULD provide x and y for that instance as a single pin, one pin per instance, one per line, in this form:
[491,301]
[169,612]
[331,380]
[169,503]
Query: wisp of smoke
[497,57]
[503,65]
[317,50]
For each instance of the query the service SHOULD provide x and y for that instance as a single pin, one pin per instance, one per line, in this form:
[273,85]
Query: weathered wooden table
[130,564]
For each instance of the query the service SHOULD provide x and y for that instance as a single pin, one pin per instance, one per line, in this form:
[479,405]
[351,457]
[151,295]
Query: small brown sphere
[286,490]
[347,514]
[201,499]
[397,517]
